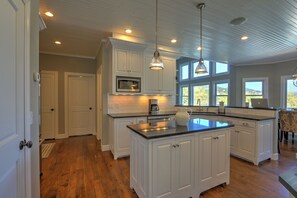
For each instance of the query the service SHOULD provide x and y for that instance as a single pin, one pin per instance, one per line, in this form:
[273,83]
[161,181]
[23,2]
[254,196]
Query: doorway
[79,104]
[49,104]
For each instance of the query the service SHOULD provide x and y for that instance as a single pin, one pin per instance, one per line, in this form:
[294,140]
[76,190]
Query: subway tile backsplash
[133,104]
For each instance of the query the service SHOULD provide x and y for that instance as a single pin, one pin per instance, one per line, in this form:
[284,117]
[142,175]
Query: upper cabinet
[160,81]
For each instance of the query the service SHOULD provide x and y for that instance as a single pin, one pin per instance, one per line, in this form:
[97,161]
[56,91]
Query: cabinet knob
[52,109]
[173,145]
[177,145]
[90,108]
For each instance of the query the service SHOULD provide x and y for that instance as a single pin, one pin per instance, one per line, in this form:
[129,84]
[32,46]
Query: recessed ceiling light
[173,40]
[243,38]
[199,48]
[128,31]
[58,42]
[49,14]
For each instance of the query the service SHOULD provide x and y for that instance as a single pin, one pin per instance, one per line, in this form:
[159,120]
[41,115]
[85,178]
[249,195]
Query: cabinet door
[184,164]
[168,82]
[265,136]
[163,162]
[246,142]
[221,153]
[151,78]
[123,135]
[136,63]
[233,139]
[121,60]
[205,159]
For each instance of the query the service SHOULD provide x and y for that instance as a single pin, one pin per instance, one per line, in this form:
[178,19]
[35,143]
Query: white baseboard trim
[61,136]
[274,156]
[105,147]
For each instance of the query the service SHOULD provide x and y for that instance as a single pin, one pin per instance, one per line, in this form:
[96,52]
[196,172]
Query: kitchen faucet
[199,104]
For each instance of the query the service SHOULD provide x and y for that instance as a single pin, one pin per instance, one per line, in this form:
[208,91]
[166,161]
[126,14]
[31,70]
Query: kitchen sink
[203,113]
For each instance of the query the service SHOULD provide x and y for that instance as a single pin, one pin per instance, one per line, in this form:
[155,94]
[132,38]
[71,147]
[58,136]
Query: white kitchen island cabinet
[168,161]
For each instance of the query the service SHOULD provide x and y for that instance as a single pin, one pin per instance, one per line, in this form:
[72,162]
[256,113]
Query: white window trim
[214,90]
[199,77]
[181,71]
[219,74]
[265,87]
[283,90]
[180,93]
[192,92]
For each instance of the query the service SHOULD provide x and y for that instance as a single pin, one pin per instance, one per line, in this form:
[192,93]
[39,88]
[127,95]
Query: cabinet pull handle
[173,145]
[177,145]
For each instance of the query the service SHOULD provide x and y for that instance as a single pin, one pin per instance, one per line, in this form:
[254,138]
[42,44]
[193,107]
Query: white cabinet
[213,161]
[160,81]
[120,135]
[250,139]
[128,62]
[179,166]
[173,166]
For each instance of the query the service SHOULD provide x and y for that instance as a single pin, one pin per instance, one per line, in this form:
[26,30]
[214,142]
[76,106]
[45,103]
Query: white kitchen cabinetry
[213,161]
[120,135]
[160,81]
[251,140]
[179,166]
[127,59]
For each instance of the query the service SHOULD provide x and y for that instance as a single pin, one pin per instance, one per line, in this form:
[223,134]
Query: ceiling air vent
[238,21]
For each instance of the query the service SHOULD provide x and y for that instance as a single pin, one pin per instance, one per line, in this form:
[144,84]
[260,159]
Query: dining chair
[288,123]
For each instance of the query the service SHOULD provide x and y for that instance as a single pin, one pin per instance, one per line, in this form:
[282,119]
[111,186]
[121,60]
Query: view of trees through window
[222,93]
[291,97]
[253,89]
[185,95]
[201,92]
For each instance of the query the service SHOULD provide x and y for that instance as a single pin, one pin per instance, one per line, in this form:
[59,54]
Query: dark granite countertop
[248,117]
[141,114]
[269,108]
[289,180]
[169,128]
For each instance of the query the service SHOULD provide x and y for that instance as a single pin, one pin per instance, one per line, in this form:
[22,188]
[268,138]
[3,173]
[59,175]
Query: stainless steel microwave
[128,84]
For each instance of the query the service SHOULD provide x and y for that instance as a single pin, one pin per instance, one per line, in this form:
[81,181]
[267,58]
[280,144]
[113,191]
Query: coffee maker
[153,106]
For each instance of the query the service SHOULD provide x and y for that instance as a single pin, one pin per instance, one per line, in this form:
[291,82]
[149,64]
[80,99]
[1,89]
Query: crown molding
[68,55]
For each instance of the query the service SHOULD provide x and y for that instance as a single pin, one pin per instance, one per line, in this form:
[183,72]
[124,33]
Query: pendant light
[294,76]
[201,69]
[157,63]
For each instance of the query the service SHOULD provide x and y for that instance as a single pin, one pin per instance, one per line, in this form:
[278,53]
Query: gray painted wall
[273,71]
[64,64]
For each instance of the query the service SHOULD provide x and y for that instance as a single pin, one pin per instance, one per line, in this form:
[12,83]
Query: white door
[49,104]
[12,176]
[81,104]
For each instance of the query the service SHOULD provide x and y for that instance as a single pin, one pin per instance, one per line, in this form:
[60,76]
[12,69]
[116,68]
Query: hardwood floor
[77,168]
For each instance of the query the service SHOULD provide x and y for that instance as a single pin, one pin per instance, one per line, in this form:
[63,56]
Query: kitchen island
[167,160]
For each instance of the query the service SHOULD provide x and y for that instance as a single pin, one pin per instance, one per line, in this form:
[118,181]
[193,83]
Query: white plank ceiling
[271,26]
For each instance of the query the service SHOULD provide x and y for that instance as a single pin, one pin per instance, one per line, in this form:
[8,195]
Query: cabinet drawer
[246,123]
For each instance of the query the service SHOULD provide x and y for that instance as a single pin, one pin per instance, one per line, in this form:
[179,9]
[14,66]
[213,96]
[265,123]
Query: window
[184,72]
[200,93]
[289,92]
[184,95]
[195,64]
[221,68]
[221,92]
[254,88]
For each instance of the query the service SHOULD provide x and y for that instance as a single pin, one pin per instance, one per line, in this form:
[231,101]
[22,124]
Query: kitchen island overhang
[167,160]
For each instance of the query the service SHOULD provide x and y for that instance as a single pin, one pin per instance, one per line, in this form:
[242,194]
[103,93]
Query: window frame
[180,94]
[264,87]
[219,74]
[215,91]
[180,71]
[192,92]
[283,99]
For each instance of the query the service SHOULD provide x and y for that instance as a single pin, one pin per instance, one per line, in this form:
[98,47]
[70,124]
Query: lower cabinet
[213,163]
[120,135]
[180,166]
[251,140]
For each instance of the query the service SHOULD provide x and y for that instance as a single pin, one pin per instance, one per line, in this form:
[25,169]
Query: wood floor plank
[76,168]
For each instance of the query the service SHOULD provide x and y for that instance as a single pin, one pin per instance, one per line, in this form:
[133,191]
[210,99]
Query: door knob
[52,109]
[90,108]
[24,143]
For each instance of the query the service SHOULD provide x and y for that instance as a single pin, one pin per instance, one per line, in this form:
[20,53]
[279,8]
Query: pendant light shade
[157,63]
[201,69]
[294,76]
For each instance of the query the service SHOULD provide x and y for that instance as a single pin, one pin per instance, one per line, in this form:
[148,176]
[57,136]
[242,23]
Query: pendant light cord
[201,6]
[156,25]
